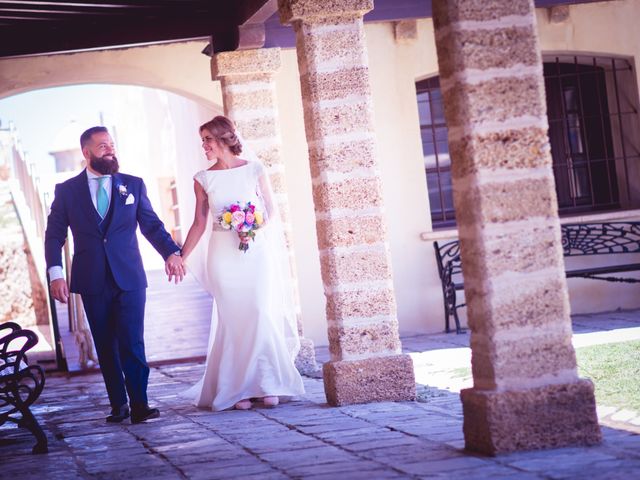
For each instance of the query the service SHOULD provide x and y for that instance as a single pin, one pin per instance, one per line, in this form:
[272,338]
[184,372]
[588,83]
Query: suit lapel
[84,196]
[116,201]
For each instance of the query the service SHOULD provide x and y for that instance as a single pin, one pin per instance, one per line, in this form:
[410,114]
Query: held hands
[175,268]
[60,290]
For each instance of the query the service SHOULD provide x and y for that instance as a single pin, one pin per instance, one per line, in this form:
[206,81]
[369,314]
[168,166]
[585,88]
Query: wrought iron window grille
[594,132]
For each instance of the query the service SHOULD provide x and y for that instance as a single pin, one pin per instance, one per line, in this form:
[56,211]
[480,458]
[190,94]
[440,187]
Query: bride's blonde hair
[225,132]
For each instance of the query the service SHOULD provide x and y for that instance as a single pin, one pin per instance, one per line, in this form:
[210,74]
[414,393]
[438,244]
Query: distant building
[66,148]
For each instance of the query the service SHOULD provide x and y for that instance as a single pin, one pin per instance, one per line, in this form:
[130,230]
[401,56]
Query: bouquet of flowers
[243,219]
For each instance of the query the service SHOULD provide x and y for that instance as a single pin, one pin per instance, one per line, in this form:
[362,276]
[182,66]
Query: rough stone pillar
[366,360]
[526,392]
[249,97]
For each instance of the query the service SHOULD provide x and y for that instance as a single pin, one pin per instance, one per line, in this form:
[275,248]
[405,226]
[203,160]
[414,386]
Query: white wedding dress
[254,338]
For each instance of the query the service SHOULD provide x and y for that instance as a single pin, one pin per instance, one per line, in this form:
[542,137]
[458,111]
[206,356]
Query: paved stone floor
[302,439]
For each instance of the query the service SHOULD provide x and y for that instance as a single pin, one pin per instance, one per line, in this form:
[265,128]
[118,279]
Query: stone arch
[175,67]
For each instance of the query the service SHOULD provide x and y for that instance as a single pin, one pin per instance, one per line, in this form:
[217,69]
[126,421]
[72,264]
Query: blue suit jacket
[115,245]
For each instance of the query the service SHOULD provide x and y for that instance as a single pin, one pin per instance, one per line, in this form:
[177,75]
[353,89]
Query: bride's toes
[243,405]
[270,401]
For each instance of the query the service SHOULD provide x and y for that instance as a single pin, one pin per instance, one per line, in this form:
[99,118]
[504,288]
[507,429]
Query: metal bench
[587,239]
[20,383]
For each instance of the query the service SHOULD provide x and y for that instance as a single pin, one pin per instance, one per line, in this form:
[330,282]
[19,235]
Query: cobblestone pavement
[302,439]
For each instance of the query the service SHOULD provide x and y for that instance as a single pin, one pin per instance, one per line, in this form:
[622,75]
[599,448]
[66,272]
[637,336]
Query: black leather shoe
[118,414]
[139,415]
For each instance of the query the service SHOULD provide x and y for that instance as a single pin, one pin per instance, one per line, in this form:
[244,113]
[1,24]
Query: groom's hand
[174,268]
[60,290]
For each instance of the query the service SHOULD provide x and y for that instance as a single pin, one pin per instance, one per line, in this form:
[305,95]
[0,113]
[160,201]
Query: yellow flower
[258,217]
[226,217]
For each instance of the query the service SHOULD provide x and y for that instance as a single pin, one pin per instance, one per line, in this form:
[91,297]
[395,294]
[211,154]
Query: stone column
[249,97]
[366,357]
[526,392]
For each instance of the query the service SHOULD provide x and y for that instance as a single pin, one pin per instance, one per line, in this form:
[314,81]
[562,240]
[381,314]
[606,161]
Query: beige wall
[604,28]
[296,159]
[395,67]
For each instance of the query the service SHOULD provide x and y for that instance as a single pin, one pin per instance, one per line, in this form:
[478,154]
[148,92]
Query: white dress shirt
[93,188]
[55,272]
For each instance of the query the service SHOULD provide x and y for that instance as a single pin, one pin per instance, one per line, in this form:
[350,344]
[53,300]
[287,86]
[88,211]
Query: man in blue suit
[103,208]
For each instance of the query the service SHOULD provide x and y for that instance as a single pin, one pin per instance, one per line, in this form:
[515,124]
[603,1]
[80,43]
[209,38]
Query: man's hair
[86,136]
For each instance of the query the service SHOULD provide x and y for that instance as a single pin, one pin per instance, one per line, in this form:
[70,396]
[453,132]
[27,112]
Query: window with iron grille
[437,164]
[594,132]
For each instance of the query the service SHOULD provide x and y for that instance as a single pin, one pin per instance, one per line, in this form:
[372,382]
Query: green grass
[462,372]
[614,369]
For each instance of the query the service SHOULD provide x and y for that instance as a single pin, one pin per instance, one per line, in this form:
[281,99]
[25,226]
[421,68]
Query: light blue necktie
[102,200]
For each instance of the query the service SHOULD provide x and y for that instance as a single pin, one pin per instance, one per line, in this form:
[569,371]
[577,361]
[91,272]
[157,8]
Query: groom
[103,208]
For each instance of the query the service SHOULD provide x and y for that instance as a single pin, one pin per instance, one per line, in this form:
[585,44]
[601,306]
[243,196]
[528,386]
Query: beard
[105,165]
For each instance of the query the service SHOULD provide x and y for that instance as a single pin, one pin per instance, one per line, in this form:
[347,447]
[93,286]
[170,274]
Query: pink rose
[237,218]
[234,208]
[249,218]
[252,208]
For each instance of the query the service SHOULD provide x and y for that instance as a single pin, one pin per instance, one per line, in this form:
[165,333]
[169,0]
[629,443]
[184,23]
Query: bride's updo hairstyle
[225,132]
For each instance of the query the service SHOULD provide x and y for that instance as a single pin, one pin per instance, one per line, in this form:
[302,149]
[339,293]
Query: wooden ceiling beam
[249,29]
[74,37]
[32,27]
[103,4]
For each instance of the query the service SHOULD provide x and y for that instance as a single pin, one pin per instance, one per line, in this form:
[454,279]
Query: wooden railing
[32,204]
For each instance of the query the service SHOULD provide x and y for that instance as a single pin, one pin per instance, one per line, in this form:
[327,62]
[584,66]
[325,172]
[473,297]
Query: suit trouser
[116,318]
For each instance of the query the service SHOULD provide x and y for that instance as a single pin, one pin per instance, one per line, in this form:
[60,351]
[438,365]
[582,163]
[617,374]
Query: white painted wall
[157,136]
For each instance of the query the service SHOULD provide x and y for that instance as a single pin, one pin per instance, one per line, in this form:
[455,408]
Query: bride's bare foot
[270,401]
[243,405]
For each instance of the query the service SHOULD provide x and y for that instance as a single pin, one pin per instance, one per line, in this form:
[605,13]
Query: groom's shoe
[118,414]
[143,413]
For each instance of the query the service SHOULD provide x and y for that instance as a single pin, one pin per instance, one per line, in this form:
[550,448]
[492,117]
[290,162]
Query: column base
[545,417]
[306,359]
[376,379]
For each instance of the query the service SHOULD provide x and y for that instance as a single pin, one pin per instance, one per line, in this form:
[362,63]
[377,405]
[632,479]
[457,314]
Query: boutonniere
[122,190]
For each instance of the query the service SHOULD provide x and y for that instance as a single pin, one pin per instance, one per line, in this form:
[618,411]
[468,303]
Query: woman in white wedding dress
[253,340]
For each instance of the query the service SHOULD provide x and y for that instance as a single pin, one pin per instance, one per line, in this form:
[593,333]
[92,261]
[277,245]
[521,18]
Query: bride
[254,338]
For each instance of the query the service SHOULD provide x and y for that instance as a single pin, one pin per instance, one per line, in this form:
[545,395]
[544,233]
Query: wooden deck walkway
[177,321]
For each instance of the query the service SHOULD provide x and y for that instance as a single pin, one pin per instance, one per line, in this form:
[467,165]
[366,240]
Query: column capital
[308,10]
[245,62]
